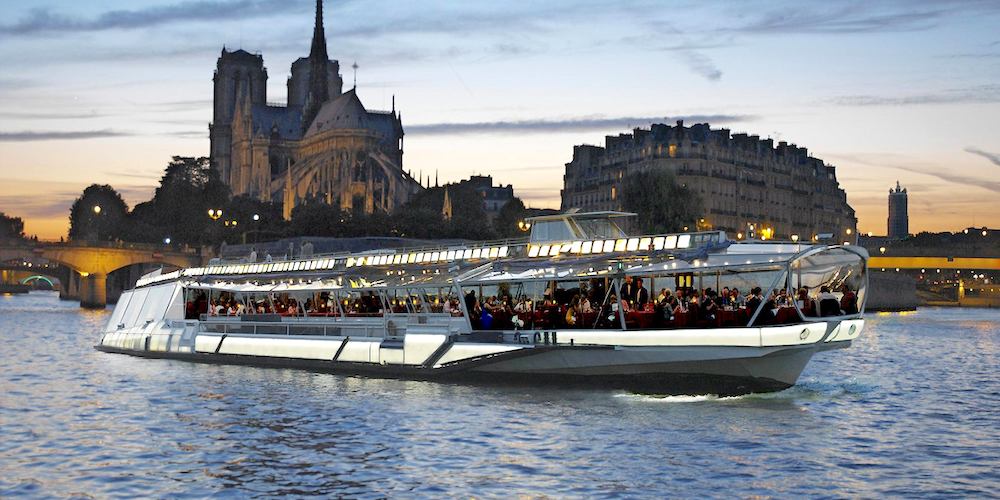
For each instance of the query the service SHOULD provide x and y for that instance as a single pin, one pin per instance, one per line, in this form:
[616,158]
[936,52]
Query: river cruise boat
[577,302]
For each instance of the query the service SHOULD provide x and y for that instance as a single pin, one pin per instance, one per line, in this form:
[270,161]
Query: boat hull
[667,370]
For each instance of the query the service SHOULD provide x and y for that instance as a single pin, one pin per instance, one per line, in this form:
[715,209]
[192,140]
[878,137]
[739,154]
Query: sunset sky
[107,91]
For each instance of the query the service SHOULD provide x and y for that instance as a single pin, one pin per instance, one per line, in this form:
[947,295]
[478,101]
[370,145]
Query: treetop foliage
[663,205]
[190,188]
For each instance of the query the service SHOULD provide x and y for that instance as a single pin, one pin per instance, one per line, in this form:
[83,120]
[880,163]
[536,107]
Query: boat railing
[508,242]
[366,326]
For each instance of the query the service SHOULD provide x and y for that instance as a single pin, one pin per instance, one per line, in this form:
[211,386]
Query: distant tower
[234,69]
[446,209]
[899,221]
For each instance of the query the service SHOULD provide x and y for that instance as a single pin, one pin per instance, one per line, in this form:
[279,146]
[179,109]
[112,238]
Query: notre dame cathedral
[323,144]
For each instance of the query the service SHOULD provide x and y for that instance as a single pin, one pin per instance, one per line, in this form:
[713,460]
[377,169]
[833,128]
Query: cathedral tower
[233,70]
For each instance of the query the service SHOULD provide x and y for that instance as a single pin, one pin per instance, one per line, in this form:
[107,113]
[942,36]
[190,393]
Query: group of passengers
[229,306]
[591,306]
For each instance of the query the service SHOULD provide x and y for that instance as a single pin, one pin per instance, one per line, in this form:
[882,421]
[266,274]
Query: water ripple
[907,412]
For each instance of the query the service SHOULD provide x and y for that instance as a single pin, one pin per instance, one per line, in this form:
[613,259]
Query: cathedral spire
[318,92]
[318,50]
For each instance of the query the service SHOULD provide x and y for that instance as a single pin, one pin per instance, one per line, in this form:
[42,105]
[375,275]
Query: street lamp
[215,213]
[97,209]
[795,237]
[166,240]
[523,226]
[256,217]
[881,249]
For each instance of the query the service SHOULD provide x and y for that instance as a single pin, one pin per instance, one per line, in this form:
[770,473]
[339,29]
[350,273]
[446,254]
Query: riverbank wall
[891,292]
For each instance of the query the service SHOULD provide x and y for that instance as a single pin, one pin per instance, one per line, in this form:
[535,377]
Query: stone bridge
[92,263]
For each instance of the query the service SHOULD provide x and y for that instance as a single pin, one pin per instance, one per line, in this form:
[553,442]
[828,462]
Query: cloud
[701,64]
[846,20]
[993,157]
[187,134]
[571,125]
[978,94]
[43,20]
[8,84]
[53,116]
[852,16]
[59,136]
[900,162]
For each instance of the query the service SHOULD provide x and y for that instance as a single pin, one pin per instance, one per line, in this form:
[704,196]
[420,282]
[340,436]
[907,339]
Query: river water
[911,410]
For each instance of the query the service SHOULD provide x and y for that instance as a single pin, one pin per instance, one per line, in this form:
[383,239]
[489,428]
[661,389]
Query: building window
[613,194]
[673,151]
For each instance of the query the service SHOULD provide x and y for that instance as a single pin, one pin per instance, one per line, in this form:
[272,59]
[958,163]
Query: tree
[179,209]
[510,214]
[11,228]
[257,220]
[663,205]
[316,218]
[99,214]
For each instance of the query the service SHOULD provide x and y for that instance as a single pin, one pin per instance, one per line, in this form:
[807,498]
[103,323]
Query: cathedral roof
[285,121]
[343,112]
[386,124]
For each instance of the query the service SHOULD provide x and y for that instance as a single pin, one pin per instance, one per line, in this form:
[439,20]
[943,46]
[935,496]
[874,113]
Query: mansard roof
[343,112]
[286,121]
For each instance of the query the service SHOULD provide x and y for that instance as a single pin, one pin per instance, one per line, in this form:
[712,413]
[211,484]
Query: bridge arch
[92,264]
[37,277]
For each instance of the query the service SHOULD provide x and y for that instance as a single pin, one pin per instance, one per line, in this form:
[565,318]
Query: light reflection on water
[907,412]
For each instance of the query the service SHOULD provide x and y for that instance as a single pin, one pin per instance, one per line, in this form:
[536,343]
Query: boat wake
[805,390]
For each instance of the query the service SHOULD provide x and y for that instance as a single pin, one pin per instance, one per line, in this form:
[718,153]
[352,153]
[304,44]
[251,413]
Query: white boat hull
[722,361]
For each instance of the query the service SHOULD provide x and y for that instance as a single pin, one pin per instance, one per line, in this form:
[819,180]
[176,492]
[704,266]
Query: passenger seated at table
[849,300]
[667,308]
[725,300]
[571,312]
[755,300]
[681,302]
[739,301]
[806,304]
[783,300]
[523,305]
[828,303]
[710,306]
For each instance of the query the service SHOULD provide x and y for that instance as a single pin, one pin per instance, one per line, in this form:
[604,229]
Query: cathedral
[323,144]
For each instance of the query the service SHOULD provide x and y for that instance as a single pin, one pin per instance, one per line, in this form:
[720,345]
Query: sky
[107,91]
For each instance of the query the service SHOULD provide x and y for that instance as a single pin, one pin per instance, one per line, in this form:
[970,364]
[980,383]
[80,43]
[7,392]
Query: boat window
[712,299]
[830,283]
[599,229]
[557,230]
[361,303]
